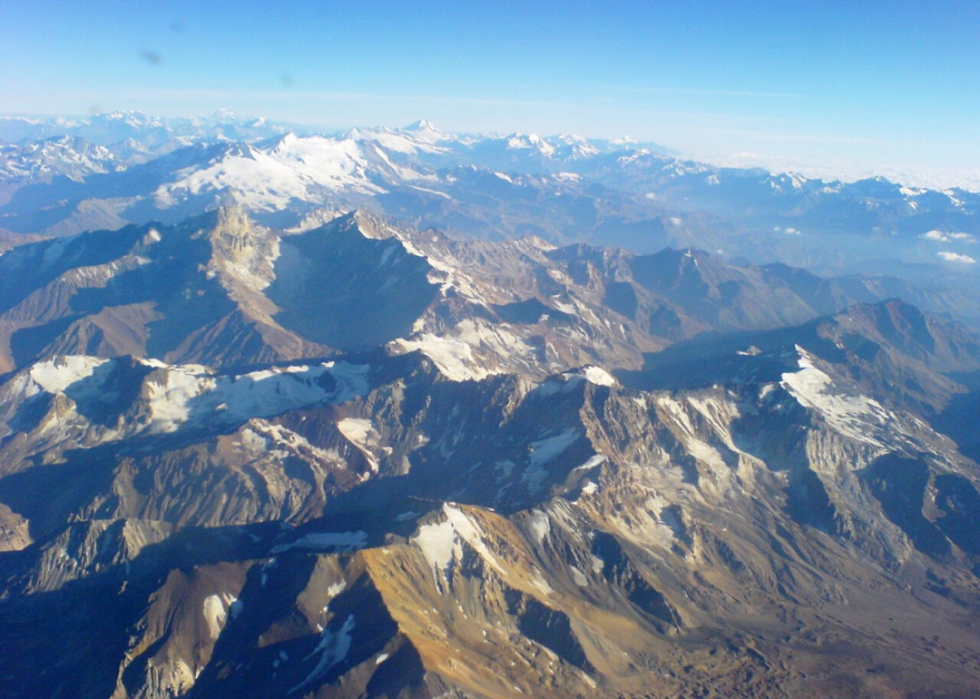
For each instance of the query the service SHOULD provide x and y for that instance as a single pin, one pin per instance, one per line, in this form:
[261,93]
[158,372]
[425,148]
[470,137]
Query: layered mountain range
[222,290]
[61,177]
[346,456]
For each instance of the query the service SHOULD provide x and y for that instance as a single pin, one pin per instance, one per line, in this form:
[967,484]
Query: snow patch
[599,376]
[271,178]
[706,454]
[361,433]
[189,393]
[454,358]
[850,415]
[333,649]
[260,436]
[215,612]
[545,450]
[441,543]
[55,375]
[540,525]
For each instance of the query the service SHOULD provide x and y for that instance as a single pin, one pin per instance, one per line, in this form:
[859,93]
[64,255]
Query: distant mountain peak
[425,131]
[421,125]
[225,113]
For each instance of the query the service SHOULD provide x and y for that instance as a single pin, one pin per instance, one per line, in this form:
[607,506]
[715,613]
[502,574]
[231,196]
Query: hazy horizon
[827,171]
[816,88]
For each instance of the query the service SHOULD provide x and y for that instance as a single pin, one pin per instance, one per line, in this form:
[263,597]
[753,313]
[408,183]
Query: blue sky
[881,84]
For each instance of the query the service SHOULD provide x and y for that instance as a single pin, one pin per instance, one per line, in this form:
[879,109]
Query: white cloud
[955,257]
[942,237]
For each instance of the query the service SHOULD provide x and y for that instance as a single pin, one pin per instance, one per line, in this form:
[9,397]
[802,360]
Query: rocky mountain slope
[366,460]
[221,290]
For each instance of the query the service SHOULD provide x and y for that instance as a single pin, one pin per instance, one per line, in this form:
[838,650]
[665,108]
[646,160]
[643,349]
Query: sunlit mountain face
[410,413]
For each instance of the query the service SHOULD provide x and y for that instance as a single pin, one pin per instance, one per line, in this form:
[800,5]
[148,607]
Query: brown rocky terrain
[494,485]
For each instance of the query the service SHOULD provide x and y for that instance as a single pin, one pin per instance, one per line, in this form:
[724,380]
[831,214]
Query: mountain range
[405,414]
[129,168]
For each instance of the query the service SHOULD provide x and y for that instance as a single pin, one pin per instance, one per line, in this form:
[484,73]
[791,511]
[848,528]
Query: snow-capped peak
[425,131]
[421,125]
[519,141]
